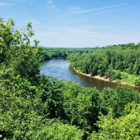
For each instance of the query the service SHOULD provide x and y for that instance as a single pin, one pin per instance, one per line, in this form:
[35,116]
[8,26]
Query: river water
[61,70]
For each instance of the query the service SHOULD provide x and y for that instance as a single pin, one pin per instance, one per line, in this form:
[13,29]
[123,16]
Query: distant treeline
[49,53]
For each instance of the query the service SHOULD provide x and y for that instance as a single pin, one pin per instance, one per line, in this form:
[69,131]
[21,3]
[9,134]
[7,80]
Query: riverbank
[105,79]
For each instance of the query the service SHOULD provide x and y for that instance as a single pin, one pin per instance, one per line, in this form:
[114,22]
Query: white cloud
[78,10]
[45,33]
[49,1]
[36,23]
[5,4]
[2,4]
[74,8]
[118,9]
[85,32]
[51,5]
[80,31]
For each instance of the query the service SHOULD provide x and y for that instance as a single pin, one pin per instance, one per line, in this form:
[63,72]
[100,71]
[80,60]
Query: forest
[118,62]
[35,107]
[49,53]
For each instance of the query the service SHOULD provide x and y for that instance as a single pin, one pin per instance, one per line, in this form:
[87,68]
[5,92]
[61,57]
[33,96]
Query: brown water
[61,70]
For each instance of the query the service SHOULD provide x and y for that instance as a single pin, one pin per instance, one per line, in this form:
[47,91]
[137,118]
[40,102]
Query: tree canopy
[38,107]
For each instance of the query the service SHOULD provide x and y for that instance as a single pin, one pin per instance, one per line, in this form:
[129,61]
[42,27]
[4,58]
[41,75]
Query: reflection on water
[61,70]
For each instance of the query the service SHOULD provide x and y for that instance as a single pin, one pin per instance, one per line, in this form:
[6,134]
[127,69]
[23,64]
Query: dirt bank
[104,79]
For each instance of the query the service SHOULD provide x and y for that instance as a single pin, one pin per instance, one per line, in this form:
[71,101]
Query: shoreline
[104,79]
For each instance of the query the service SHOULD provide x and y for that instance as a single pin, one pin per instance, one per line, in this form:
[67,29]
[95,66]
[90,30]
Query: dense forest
[49,53]
[118,62]
[35,107]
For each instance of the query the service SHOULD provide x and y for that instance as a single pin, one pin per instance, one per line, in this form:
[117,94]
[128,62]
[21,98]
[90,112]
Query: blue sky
[77,23]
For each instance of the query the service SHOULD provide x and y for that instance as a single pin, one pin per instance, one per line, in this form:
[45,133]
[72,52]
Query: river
[61,70]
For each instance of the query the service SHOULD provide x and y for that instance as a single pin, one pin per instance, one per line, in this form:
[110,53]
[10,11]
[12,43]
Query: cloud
[80,31]
[74,8]
[18,0]
[78,10]
[45,33]
[89,33]
[51,5]
[84,32]
[111,10]
[3,4]
[36,23]
[49,1]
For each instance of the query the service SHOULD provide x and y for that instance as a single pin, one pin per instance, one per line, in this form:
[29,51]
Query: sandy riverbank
[104,79]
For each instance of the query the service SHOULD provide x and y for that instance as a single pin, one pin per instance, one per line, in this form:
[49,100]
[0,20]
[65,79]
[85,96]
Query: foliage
[126,127]
[110,62]
[54,129]
[137,82]
[117,99]
[48,53]
[39,107]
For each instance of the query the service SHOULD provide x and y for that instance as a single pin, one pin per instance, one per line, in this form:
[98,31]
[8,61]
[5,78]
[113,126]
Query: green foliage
[54,129]
[81,106]
[137,82]
[110,62]
[34,107]
[117,99]
[49,53]
[112,75]
[126,127]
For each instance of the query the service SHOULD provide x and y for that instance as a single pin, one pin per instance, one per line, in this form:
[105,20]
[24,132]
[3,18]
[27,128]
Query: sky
[77,23]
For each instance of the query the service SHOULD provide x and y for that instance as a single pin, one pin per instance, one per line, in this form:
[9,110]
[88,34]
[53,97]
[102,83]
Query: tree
[16,54]
[117,99]
[54,129]
[126,127]
[36,42]
[19,69]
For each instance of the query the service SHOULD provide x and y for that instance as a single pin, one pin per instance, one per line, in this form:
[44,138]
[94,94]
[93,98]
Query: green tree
[117,99]
[126,127]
